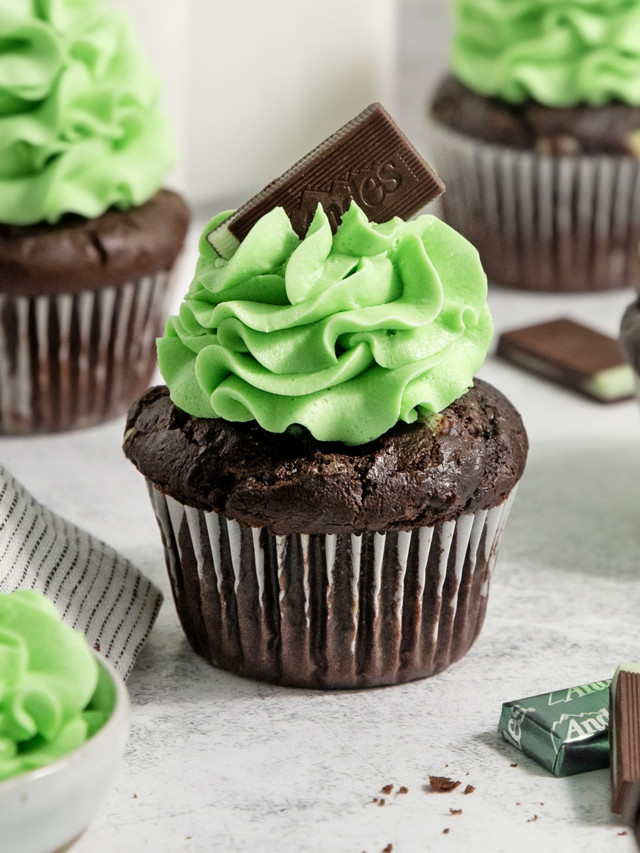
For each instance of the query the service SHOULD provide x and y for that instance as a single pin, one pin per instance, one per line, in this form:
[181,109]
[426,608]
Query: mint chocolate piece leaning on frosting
[368,160]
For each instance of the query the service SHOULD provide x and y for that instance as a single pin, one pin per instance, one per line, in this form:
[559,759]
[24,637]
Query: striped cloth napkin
[94,588]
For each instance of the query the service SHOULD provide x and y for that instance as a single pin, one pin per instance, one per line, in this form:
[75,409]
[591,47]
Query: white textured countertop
[218,763]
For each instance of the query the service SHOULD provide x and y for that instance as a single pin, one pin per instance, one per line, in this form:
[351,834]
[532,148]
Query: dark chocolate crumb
[134,797]
[446,831]
[455,811]
[469,789]
[375,799]
[515,764]
[388,848]
[624,832]
[403,789]
[386,789]
[531,819]
[381,801]
[443,783]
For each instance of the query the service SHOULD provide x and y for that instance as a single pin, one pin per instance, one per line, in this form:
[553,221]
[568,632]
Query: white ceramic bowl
[46,810]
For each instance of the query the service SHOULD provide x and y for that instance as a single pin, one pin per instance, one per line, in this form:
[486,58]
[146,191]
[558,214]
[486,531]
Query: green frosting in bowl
[80,125]
[344,334]
[51,696]
[558,52]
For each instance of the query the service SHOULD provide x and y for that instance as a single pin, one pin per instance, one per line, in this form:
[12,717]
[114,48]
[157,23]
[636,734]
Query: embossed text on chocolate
[370,188]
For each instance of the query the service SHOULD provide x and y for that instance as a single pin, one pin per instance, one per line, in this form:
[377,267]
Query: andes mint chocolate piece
[572,354]
[565,730]
[624,734]
[369,160]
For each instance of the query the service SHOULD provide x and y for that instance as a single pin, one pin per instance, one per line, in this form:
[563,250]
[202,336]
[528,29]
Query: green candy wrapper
[566,731]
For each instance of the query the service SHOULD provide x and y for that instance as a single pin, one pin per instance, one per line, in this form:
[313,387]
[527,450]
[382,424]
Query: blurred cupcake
[329,492]
[88,238]
[537,136]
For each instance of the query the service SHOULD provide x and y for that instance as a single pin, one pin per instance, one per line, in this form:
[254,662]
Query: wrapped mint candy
[566,731]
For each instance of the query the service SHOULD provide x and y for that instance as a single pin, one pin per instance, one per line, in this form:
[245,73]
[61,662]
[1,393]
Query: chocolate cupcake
[318,564]
[329,482]
[88,239]
[536,134]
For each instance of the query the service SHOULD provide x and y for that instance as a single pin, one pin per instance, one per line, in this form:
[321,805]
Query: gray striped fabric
[95,589]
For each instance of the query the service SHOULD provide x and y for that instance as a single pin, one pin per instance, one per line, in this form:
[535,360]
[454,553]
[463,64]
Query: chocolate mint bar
[625,733]
[368,160]
[565,731]
[573,354]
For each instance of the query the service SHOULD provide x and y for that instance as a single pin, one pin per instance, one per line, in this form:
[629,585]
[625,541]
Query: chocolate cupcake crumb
[442,783]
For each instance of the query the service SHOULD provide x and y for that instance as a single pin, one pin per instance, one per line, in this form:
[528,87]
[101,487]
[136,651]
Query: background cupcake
[330,495]
[536,134]
[87,237]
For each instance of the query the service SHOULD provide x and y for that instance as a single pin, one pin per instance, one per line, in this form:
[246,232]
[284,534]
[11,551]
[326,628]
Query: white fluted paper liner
[95,589]
[329,610]
[565,223]
[73,359]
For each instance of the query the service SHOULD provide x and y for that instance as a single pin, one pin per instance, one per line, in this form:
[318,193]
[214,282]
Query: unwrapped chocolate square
[566,731]
[572,354]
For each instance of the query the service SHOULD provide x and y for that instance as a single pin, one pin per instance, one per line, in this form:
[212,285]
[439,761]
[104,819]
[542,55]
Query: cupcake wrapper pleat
[329,611]
[564,223]
[74,359]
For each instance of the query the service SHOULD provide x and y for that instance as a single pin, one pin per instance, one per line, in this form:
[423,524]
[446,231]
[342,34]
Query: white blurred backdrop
[252,86]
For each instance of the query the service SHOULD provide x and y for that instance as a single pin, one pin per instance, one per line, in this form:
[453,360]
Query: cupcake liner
[75,359]
[329,611]
[566,223]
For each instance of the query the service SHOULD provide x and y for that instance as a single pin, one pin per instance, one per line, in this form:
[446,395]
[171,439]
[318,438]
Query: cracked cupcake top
[466,458]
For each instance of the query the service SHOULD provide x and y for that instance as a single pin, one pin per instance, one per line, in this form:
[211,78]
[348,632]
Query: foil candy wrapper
[566,731]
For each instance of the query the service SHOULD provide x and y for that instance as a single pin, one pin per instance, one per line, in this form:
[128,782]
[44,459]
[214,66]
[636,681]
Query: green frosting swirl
[558,52]
[344,334]
[80,126]
[48,676]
